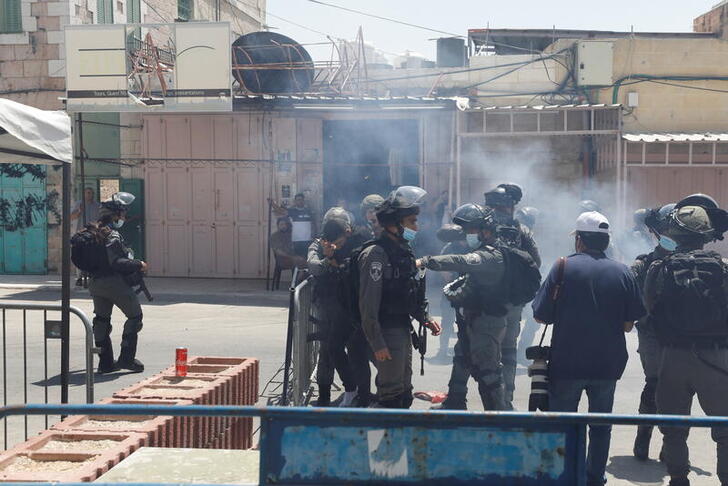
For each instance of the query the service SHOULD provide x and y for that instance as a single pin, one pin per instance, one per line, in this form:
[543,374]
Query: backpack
[522,276]
[691,300]
[88,250]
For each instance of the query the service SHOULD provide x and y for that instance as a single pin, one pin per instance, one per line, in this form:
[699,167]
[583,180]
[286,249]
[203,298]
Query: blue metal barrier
[362,446]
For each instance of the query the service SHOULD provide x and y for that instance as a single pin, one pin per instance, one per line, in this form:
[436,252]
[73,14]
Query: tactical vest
[399,287]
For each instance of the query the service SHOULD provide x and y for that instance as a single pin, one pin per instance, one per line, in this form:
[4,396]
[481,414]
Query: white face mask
[473,241]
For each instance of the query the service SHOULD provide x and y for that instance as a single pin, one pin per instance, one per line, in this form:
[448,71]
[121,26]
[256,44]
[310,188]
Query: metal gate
[206,219]
[24,251]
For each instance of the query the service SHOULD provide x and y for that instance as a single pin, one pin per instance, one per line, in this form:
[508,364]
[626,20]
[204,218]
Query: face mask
[118,224]
[409,234]
[668,243]
[473,241]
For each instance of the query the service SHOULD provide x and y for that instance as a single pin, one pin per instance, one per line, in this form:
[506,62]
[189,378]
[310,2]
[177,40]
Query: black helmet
[117,205]
[702,200]
[513,190]
[402,202]
[656,219]
[499,197]
[588,205]
[472,215]
[527,216]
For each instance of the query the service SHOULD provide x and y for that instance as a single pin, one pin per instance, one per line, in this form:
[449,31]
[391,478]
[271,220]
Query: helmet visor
[407,197]
[124,198]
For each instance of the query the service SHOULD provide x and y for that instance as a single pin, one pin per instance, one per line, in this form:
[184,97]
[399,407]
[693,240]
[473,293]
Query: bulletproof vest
[691,304]
[330,287]
[647,260]
[511,234]
[399,287]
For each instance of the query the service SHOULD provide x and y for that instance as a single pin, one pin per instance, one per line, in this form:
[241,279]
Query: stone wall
[714,21]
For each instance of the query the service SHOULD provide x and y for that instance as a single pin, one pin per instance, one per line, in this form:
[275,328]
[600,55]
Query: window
[133,12]
[184,9]
[105,11]
[10,21]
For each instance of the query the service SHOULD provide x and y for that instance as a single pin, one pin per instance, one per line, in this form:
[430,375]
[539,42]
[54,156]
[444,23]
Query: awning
[675,137]
[28,134]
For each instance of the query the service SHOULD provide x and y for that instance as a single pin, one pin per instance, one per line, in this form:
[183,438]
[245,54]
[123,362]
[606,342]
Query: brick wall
[713,21]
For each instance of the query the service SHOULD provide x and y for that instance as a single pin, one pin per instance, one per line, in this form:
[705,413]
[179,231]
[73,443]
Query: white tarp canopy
[27,133]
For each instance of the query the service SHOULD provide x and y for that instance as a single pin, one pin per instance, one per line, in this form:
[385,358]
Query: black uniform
[111,287]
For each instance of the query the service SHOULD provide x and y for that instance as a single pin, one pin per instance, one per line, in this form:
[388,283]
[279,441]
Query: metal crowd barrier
[301,348]
[51,331]
[303,445]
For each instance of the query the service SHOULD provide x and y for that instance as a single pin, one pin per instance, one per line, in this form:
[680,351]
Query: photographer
[112,285]
[598,302]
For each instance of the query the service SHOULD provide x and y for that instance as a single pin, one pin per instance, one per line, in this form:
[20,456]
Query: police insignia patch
[472,259]
[375,271]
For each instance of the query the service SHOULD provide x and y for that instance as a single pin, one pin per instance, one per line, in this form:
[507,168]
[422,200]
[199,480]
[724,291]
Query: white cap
[592,222]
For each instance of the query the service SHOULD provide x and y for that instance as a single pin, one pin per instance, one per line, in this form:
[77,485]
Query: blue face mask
[668,243]
[409,234]
[473,241]
[118,224]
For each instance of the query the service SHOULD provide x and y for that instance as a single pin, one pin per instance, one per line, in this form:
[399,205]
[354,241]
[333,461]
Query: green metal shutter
[10,17]
[133,12]
[105,11]
[184,9]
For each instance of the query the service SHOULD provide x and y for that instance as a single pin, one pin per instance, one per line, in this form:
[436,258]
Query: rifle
[419,337]
[142,288]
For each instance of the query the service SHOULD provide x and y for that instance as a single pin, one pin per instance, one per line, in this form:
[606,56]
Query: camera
[538,371]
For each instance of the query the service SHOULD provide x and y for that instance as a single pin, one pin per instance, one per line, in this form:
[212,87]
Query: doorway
[364,157]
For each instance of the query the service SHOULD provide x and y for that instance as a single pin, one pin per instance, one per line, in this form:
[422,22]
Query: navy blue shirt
[597,297]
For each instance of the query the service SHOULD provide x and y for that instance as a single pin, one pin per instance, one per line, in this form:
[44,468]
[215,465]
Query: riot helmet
[470,216]
[118,205]
[639,216]
[499,197]
[513,190]
[370,202]
[449,233]
[527,216]
[587,205]
[402,202]
[701,200]
[689,222]
[657,219]
[339,214]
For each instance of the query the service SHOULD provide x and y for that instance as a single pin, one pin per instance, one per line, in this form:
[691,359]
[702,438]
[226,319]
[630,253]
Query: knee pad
[133,325]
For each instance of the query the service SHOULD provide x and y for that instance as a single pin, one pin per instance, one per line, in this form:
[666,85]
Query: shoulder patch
[473,259]
[375,271]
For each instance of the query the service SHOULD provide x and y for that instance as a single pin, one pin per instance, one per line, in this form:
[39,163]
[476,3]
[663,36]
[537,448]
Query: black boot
[641,448]
[324,398]
[679,481]
[135,366]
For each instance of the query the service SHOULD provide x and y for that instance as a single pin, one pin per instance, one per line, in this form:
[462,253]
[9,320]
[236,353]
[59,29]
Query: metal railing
[335,445]
[301,349]
[51,331]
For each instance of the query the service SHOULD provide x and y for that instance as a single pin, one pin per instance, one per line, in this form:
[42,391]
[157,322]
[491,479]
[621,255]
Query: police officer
[692,329]
[390,296]
[638,239]
[326,262]
[111,287]
[528,217]
[369,229]
[503,200]
[481,297]
[648,346]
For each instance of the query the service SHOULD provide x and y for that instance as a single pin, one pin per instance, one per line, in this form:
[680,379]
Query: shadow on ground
[78,378]
[643,472]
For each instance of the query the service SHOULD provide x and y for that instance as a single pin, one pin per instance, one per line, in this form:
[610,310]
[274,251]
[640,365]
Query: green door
[133,229]
[24,250]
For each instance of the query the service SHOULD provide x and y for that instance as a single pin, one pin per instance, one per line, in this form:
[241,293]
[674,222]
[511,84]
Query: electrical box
[595,61]
[633,99]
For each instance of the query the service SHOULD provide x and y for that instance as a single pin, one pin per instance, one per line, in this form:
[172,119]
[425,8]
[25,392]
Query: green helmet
[690,220]
[371,202]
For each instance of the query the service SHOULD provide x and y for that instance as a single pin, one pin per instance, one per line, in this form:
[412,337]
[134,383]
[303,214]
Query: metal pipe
[66,282]
[391,417]
[289,337]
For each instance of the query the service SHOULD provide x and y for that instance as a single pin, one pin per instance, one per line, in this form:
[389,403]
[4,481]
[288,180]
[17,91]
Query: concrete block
[58,8]
[55,37]
[57,68]
[38,9]
[34,69]
[30,23]
[14,39]
[7,53]
[11,69]
[49,23]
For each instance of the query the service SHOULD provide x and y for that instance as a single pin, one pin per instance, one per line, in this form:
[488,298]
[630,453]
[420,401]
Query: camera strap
[556,293]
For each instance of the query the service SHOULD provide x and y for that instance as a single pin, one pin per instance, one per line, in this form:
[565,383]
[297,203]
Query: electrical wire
[156,12]
[698,88]
[388,19]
